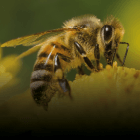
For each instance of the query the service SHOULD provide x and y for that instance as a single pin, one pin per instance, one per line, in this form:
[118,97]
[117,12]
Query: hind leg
[63,83]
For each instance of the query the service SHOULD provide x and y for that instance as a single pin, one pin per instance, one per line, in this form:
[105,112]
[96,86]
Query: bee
[80,40]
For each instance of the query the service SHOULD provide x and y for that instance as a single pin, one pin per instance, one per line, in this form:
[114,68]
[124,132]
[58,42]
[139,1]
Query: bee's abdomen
[41,75]
[47,71]
[39,83]
[41,78]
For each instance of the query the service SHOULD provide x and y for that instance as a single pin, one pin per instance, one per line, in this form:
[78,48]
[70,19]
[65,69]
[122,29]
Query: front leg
[118,58]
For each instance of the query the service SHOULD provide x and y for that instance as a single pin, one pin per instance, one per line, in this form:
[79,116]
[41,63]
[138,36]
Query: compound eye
[107,31]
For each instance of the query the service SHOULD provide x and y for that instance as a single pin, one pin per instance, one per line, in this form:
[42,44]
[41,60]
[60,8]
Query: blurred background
[23,17]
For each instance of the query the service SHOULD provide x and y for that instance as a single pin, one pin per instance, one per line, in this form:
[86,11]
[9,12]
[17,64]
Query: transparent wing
[35,39]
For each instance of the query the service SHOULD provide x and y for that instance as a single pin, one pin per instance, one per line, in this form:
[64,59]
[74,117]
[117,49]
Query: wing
[35,39]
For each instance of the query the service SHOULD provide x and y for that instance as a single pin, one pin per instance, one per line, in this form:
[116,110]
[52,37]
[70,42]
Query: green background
[23,17]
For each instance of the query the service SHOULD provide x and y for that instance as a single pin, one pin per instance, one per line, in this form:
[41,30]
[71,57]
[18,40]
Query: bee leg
[80,70]
[83,54]
[125,52]
[63,83]
[114,54]
[118,58]
[97,56]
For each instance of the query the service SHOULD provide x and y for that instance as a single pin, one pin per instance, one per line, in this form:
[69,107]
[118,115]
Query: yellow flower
[8,69]
[4,76]
[107,93]
[104,101]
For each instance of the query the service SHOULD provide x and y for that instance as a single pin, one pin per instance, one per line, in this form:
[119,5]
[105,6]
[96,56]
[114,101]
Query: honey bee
[79,41]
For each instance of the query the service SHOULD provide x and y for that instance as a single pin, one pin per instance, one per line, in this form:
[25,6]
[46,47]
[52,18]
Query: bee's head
[112,31]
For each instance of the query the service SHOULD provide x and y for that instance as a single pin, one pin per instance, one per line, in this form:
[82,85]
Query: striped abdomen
[43,79]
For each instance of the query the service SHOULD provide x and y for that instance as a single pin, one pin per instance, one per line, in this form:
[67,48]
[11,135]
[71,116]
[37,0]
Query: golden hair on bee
[80,40]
